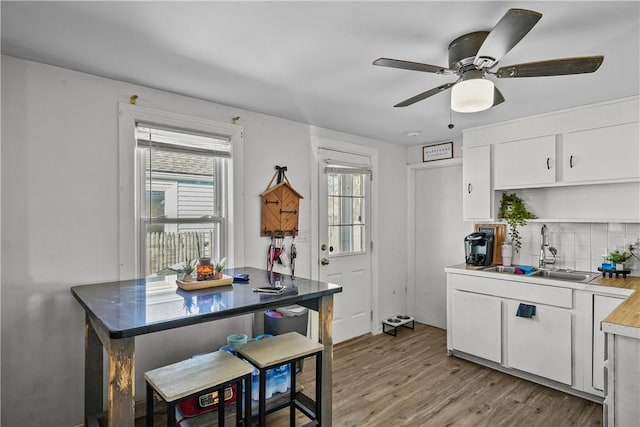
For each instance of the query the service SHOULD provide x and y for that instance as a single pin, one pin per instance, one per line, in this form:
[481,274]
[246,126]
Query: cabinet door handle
[469,188]
[548,167]
[571,161]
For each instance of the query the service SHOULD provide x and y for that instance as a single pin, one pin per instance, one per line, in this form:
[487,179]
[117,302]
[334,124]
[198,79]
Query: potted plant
[618,258]
[188,269]
[218,267]
[515,213]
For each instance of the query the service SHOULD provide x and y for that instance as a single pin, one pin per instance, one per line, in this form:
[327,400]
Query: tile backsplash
[580,245]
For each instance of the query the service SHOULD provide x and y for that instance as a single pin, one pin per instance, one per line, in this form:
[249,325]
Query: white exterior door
[344,231]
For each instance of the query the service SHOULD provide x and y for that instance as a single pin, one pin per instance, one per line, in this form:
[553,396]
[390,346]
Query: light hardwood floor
[408,380]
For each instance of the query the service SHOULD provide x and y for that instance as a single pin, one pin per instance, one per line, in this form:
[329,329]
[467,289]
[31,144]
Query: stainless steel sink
[571,276]
[500,269]
[566,275]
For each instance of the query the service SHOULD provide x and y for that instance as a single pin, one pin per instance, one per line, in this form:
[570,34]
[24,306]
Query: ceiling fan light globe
[472,95]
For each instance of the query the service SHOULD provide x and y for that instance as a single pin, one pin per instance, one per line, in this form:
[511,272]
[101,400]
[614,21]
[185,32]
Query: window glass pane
[358,211]
[358,182]
[346,212]
[183,183]
[170,245]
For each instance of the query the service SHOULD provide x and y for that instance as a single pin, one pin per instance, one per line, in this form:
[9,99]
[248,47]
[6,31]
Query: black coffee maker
[478,248]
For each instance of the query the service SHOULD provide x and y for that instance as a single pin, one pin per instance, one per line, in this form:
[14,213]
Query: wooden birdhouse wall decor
[280,207]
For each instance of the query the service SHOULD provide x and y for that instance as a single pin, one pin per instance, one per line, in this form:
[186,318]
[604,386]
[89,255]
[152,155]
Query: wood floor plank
[408,380]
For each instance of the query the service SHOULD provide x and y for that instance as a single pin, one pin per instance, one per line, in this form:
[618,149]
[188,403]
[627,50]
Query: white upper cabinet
[476,183]
[605,154]
[525,163]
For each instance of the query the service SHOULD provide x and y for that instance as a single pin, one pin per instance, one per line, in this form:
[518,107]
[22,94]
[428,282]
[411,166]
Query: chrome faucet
[544,242]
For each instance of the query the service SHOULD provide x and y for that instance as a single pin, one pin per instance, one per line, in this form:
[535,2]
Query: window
[154,206]
[346,209]
[181,182]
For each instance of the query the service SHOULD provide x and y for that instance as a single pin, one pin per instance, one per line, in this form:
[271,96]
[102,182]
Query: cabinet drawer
[534,293]
[540,345]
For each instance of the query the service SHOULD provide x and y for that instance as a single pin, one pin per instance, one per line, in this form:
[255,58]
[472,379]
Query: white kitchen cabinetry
[622,404]
[605,154]
[540,345]
[482,322]
[602,306]
[476,183]
[477,325]
[525,163]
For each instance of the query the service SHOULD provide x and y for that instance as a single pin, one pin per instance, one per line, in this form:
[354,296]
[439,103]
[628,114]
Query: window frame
[131,194]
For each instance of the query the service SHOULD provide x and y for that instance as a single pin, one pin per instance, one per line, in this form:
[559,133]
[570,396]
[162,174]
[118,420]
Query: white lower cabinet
[622,408]
[482,322]
[602,306]
[540,345]
[477,325]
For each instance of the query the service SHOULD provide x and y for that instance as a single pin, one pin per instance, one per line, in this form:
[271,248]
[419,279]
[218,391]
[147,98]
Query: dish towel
[526,310]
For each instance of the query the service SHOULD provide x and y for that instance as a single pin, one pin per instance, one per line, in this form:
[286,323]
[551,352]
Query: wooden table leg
[325,335]
[122,382]
[93,385]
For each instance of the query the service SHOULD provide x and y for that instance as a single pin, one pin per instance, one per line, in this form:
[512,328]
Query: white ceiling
[311,61]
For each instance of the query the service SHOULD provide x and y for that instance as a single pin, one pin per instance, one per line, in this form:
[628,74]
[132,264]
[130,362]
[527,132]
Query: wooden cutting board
[202,284]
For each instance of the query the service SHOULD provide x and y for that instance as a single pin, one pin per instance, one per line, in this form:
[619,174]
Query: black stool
[285,349]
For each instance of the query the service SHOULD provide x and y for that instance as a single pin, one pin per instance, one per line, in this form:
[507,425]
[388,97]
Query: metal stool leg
[221,405]
[239,400]
[292,397]
[171,414]
[262,405]
[319,387]
[149,417]
[246,420]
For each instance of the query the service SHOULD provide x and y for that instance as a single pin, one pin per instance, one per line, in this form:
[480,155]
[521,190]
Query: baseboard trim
[526,376]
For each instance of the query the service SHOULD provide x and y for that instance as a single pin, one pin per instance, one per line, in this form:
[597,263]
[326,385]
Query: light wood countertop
[628,313]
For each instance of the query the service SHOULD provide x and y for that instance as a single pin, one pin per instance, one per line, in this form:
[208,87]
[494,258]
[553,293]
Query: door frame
[318,142]
[411,222]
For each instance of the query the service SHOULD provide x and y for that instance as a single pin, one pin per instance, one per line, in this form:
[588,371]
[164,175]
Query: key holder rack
[280,207]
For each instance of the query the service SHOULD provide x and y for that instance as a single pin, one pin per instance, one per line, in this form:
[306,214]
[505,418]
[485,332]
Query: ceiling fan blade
[513,26]
[497,97]
[552,67]
[415,66]
[424,95]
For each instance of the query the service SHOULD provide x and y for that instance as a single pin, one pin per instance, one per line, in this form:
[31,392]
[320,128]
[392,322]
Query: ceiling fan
[473,56]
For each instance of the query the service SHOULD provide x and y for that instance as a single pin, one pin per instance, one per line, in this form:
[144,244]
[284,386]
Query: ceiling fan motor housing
[463,50]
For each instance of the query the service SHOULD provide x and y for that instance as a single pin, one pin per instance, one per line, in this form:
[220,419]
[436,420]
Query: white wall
[60,225]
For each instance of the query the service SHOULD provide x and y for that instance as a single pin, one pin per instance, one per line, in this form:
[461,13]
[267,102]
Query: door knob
[324,261]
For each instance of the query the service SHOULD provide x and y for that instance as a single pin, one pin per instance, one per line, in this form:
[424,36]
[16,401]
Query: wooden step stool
[211,372]
[283,349]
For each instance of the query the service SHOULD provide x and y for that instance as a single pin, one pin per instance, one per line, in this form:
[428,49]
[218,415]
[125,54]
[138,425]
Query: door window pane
[346,213]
